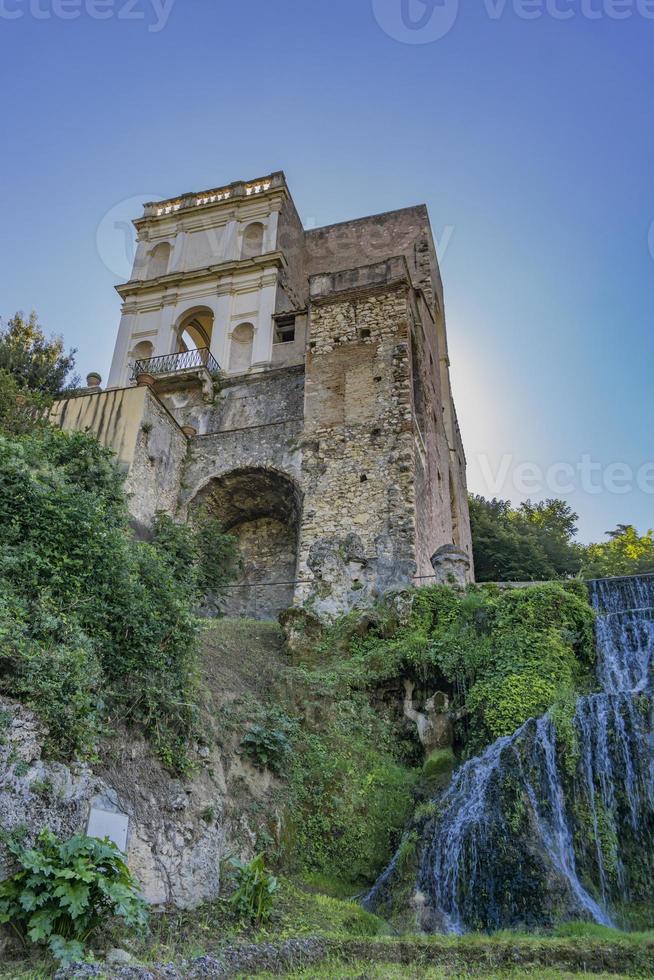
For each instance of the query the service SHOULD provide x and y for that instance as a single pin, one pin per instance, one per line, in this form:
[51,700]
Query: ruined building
[294,382]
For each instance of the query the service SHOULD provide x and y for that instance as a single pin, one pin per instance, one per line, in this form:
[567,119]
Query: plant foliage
[534,542]
[37,364]
[63,891]
[255,891]
[94,626]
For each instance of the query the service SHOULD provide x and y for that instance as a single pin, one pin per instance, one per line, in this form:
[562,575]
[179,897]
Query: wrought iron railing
[170,363]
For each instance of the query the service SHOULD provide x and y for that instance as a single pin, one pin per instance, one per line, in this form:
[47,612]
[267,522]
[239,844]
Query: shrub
[350,795]
[255,890]
[65,890]
[267,748]
[92,622]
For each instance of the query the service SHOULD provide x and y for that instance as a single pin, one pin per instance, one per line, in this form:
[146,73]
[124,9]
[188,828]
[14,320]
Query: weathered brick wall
[358,530]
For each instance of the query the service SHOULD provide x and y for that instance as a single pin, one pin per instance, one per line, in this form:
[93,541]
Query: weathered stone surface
[451,566]
[174,849]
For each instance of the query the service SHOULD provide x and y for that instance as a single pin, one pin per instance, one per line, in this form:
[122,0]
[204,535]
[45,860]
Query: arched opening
[195,330]
[159,259]
[142,351]
[261,508]
[240,349]
[252,240]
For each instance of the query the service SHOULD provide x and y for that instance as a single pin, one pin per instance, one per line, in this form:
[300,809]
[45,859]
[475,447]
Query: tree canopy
[536,542]
[36,362]
[533,542]
[625,553]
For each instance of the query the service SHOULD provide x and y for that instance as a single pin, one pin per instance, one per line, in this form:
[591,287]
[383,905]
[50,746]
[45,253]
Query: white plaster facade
[215,254]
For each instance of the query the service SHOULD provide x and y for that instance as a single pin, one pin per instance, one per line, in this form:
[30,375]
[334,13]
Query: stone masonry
[297,385]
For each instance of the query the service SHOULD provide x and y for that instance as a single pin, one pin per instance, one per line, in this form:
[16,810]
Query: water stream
[522,835]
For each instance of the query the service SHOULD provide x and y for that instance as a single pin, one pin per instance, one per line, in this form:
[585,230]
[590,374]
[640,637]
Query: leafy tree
[533,542]
[625,553]
[37,363]
[20,408]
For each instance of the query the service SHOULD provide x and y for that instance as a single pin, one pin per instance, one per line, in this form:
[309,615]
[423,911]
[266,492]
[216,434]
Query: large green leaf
[73,897]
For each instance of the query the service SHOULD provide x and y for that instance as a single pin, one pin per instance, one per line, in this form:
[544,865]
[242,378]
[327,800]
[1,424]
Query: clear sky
[529,133]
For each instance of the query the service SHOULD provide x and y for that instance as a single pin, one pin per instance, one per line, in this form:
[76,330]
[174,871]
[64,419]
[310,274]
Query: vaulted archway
[262,509]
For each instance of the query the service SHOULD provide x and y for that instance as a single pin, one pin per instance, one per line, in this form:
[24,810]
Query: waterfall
[519,837]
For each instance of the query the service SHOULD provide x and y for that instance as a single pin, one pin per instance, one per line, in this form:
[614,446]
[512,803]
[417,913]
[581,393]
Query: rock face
[178,832]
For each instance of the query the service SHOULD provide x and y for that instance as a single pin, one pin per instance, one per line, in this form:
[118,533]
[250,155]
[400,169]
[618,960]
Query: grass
[359,945]
[335,969]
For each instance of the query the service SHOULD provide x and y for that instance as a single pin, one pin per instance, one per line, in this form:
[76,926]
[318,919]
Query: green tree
[534,542]
[20,409]
[625,553]
[37,363]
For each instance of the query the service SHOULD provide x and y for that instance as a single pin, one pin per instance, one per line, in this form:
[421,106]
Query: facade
[295,384]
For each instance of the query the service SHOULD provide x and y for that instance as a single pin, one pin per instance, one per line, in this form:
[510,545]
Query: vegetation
[95,627]
[38,364]
[254,894]
[625,553]
[356,766]
[64,891]
[535,542]
[268,745]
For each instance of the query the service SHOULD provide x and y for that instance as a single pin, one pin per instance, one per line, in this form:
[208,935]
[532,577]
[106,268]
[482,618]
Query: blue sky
[531,141]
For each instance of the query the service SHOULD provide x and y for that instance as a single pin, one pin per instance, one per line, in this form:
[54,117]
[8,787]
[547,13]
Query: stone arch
[240,348]
[159,259]
[262,509]
[252,240]
[194,329]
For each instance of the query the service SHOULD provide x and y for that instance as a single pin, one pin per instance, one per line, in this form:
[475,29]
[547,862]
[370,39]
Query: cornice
[233,267]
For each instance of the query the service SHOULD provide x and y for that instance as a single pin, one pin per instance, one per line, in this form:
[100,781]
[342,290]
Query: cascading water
[525,835]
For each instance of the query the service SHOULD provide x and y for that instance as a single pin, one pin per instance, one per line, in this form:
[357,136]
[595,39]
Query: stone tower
[296,384]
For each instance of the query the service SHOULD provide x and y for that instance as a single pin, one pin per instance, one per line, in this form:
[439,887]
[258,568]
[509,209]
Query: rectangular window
[285,329]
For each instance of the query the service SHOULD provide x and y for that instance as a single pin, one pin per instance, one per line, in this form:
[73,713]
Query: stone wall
[155,476]
[369,240]
[149,444]
[358,529]
[274,447]
[179,829]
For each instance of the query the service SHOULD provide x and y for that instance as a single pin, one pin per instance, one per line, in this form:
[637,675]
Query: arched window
[252,240]
[195,330]
[159,259]
[240,352]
